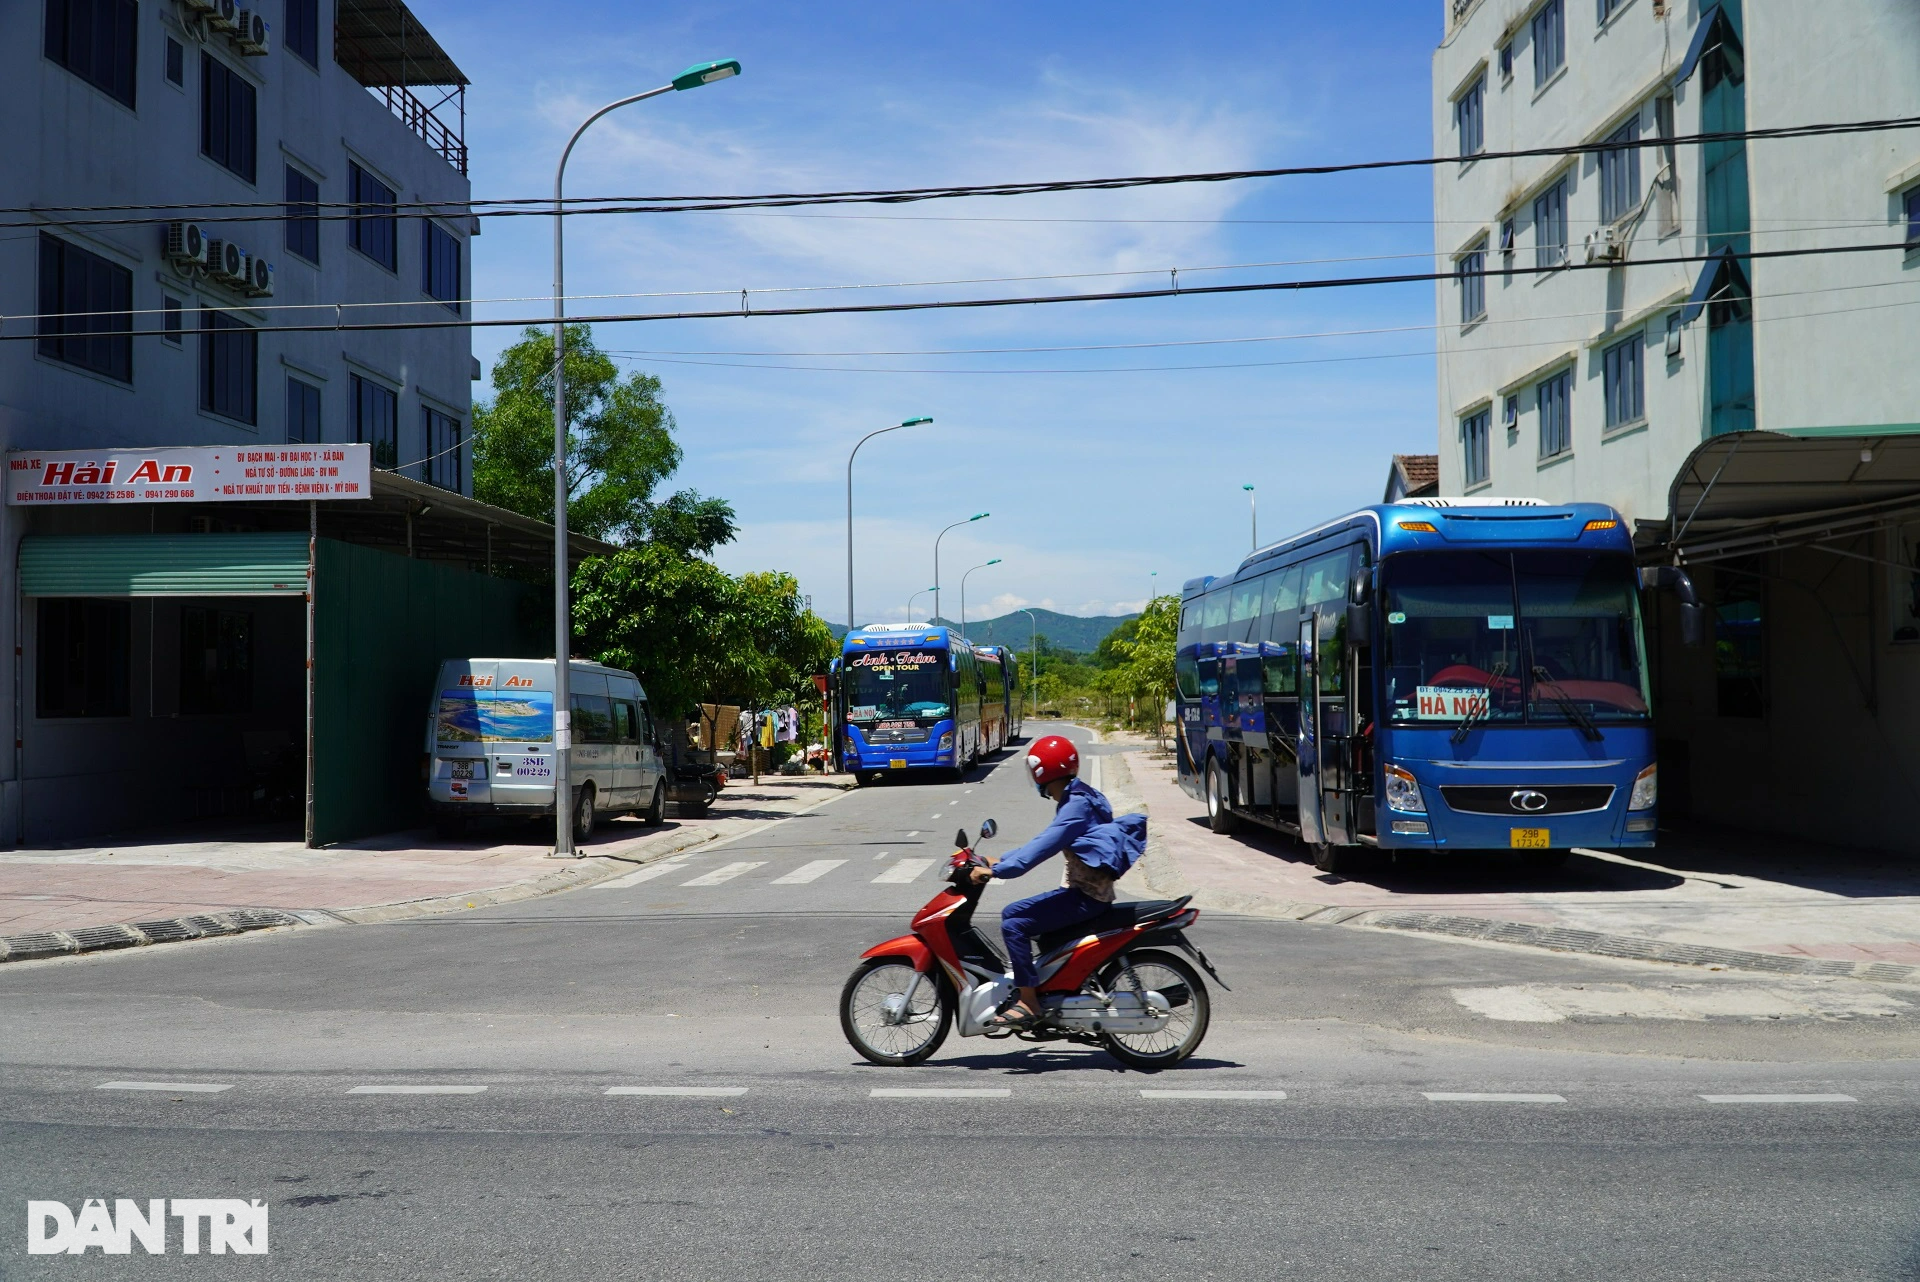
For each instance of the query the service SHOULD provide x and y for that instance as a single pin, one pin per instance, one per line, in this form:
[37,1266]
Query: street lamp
[915,597]
[1253,514]
[912,422]
[977,516]
[1151,585]
[963,592]
[1033,657]
[692,78]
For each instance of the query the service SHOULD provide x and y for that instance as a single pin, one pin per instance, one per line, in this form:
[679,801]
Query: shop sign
[190,474]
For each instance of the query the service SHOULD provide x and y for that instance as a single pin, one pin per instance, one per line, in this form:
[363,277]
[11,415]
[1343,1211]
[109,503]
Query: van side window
[626,721]
[592,718]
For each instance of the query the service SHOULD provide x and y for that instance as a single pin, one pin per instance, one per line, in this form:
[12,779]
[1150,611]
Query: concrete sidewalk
[170,877]
[1717,898]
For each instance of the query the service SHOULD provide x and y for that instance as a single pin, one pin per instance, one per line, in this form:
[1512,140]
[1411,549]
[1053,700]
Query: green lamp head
[705,73]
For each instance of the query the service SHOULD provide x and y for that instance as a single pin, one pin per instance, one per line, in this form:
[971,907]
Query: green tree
[620,448]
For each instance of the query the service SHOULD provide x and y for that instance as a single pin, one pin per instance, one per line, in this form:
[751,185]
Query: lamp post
[915,597]
[1033,657]
[1253,515]
[963,592]
[692,78]
[912,422]
[1151,585]
[977,516]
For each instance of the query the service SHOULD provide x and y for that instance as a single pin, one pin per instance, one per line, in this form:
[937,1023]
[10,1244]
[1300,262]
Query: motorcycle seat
[1138,912]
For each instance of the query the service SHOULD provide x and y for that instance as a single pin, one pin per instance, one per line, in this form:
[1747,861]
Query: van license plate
[1528,838]
[897,763]
[463,770]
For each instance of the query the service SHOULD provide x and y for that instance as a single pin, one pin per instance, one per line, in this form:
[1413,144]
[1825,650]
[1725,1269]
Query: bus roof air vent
[1475,501]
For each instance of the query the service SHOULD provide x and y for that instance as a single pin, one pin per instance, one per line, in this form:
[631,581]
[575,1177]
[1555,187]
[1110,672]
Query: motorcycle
[1118,980]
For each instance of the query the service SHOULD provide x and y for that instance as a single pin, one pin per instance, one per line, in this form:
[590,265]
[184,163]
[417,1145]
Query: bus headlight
[1646,789]
[1403,791]
[946,742]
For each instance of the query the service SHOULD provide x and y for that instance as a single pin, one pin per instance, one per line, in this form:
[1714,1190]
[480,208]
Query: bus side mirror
[1693,615]
[1359,623]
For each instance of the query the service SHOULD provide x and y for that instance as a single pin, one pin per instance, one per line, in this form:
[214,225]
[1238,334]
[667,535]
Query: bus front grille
[1524,800]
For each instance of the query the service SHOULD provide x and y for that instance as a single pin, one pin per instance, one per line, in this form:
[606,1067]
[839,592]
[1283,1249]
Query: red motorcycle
[1117,980]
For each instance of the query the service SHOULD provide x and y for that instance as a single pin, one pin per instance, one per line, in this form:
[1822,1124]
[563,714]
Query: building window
[1911,203]
[1620,173]
[83,657]
[1470,272]
[440,441]
[1506,62]
[229,367]
[94,39]
[302,35]
[171,309]
[373,229]
[176,63]
[1667,178]
[1626,395]
[1555,403]
[376,420]
[1469,118]
[216,661]
[303,412]
[1550,227]
[1510,413]
[228,117]
[1549,33]
[440,264]
[1475,429]
[1608,8]
[86,310]
[1739,621]
[303,215]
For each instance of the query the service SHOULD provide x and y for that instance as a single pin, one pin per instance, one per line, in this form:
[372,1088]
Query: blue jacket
[1083,822]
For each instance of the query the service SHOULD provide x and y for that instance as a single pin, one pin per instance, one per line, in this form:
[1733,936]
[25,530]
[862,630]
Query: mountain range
[1067,631]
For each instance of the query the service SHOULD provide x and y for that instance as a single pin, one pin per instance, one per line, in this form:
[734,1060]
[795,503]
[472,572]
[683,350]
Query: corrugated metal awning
[380,42]
[124,565]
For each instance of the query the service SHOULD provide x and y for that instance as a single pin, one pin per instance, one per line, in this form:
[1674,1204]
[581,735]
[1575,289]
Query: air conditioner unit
[260,278]
[199,6]
[1605,245]
[224,16]
[250,35]
[186,245]
[226,262]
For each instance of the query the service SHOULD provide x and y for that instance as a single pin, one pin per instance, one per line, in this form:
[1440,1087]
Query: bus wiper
[1575,714]
[1478,713]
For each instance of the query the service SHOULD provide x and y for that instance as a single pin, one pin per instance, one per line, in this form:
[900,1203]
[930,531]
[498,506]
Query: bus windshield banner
[190,474]
[1452,703]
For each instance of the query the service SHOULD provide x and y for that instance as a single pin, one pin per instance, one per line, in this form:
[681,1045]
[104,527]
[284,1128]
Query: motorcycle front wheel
[1186,1024]
[892,1033]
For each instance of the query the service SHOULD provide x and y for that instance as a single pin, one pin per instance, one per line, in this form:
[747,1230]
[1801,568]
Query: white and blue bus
[911,696]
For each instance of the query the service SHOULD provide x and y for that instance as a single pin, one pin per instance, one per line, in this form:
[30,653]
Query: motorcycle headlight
[1646,789]
[1403,791]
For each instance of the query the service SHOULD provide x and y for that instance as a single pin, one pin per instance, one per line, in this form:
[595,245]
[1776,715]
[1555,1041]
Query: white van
[490,743]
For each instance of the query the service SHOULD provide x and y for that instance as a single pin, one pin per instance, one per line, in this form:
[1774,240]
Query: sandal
[1013,1016]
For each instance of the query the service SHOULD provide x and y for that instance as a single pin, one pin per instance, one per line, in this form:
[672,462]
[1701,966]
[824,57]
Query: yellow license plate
[897,763]
[1528,838]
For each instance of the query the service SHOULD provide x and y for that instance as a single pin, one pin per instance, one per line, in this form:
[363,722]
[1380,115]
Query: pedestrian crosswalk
[726,872]
[897,872]
[904,871]
[808,872]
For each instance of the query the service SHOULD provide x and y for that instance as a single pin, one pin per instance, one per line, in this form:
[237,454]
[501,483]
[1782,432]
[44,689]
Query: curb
[139,934]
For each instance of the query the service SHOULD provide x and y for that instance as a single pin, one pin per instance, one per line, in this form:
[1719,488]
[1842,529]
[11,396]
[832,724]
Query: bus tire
[1220,816]
[1330,858]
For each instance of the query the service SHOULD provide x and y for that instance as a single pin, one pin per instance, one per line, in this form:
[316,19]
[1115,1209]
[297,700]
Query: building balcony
[383,46]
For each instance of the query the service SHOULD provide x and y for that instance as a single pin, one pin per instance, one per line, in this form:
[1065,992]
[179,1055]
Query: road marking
[914,833]
[808,872]
[1145,1094]
[939,1092]
[1490,1097]
[904,871]
[198,1088]
[725,872]
[881,855]
[677,1090]
[416,1090]
[644,874]
[1779,1099]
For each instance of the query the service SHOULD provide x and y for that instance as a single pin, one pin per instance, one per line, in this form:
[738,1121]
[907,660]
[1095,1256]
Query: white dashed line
[904,871]
[1779,1099]
[416,1090]
[1145,1094]
[1490,1097]
[939,1092]
[808,872]
[914,833]
[881,855]
[644,874]
[725,872]
[677,1090]
[196,1088]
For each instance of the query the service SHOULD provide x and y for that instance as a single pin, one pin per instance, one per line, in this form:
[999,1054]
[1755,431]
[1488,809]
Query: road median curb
[43,944]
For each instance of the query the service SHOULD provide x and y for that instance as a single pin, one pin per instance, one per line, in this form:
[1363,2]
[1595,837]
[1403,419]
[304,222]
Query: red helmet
[1053,757]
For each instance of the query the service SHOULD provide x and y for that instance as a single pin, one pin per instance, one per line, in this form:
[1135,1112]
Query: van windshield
[494,716]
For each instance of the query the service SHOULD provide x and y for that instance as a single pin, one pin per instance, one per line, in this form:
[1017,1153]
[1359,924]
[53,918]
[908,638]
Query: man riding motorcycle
[1097,850]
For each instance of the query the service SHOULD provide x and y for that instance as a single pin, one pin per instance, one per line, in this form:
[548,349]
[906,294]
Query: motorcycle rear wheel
[862,1019]
[1186,1025]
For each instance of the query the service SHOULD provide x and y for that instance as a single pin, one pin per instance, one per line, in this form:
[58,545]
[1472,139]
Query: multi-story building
[1643,325]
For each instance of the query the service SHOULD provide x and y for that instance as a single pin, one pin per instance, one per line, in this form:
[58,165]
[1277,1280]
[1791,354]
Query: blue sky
[1096,478]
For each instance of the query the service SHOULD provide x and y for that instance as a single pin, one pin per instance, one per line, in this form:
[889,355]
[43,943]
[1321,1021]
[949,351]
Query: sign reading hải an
[190,474]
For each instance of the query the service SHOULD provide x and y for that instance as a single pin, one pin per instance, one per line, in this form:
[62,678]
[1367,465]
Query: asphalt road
[506,1155]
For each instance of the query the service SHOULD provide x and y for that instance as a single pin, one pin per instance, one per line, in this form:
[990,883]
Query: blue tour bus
[1436,674]
[911,695]
[1003,694]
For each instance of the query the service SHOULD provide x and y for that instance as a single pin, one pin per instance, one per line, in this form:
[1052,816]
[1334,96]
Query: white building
[1586,364]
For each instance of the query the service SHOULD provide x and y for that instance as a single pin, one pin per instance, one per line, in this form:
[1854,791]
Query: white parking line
[645,874]
[1145,1094]
[808,872]
[677,1090]
[939,1092]
[725,872]
[197,1088]
[904,871]
[1490,1097]
[416,1090]
[1779,1099]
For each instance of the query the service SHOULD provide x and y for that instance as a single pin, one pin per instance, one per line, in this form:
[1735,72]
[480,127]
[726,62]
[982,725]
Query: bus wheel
[1219,816]
[1328,857]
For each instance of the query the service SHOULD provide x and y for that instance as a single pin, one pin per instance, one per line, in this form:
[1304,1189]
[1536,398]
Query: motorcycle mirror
[960,838]
[987,829]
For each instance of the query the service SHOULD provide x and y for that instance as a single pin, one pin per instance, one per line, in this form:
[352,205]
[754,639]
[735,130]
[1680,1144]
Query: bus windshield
[1539,635]
[897,683]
